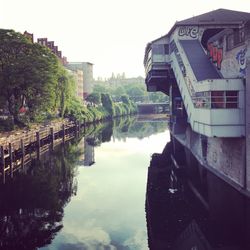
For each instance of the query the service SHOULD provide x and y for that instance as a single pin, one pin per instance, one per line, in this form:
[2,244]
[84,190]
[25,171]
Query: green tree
[136,92]
[107,103]
[65,89]
[28,75]
[94,98]
[98,88]
[125,99]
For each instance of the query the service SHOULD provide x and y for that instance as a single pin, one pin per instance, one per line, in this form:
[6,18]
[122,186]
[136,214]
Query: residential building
[53,48]
[87,69]
[78,75]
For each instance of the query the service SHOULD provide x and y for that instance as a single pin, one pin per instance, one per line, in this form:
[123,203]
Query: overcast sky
[112,34]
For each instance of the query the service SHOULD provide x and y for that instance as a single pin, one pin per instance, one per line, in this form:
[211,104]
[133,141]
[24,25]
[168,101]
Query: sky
[111,34]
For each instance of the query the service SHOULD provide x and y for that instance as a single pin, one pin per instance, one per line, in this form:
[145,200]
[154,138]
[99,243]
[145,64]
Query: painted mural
[216,54]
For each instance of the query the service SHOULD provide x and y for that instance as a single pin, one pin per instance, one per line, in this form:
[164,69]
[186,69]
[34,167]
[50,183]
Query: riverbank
[153,117]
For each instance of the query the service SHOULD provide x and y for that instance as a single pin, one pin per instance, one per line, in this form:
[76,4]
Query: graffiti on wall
[192,31]
[241,59]
[216,54]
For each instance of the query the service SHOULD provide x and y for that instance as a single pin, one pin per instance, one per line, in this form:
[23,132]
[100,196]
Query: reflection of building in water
[81,146]
[89,154]
[179,215]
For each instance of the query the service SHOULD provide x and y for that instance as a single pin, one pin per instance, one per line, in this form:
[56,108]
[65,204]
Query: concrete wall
[234,62]
[227,156]
[248,124]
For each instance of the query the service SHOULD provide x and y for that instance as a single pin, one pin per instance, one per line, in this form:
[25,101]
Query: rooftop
[217,16]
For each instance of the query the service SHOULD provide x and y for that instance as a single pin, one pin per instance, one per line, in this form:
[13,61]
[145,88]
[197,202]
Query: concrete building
[87,69]
[203,64]
[78,75]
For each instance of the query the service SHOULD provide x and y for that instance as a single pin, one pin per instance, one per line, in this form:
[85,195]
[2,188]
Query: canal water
[113,188]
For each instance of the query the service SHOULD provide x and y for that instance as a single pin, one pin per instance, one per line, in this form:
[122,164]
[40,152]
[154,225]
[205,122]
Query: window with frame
[231,99]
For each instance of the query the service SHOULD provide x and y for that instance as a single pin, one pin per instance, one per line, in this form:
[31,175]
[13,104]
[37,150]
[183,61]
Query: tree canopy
[30,77]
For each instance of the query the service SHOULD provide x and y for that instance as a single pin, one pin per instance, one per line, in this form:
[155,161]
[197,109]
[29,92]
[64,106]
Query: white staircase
[195,77]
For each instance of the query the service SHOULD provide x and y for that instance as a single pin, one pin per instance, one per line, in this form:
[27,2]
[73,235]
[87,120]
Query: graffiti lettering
[216,54]
[192,32]
[241,58]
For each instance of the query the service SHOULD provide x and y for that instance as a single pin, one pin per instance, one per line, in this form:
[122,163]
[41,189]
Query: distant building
[53,48]
[87,69]
[78,75]
[117,80]
[120,80]
[29,36]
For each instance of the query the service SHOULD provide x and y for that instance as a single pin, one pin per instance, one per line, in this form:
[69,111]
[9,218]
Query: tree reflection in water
[32,204]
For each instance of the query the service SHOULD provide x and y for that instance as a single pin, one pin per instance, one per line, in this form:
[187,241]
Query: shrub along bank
[107,109]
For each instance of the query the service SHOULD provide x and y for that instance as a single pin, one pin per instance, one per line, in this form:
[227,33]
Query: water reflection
[104,204]
[178,217]
[31,204]
[120,129]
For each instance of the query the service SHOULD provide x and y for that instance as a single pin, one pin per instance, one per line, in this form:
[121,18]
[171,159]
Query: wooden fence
[17,152]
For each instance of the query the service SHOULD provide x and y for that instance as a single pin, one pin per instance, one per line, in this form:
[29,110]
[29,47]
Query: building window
[231,99]
[166,49]
[216,99]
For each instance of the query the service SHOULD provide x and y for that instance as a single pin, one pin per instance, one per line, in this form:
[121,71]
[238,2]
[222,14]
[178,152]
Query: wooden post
[2,164]
[38,145]
[63,130]
[23,153]
[52,138]
[11,160]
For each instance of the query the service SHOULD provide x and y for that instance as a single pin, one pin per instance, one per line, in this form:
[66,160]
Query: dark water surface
[97,193]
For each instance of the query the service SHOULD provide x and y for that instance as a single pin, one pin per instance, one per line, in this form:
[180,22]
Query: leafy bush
[6,124]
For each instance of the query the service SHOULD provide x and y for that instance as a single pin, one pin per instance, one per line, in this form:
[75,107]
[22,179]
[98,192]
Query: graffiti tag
[192,32]
[241,58]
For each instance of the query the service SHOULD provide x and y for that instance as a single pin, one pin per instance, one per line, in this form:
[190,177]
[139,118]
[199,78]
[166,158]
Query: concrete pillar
[247,106]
